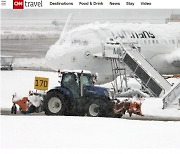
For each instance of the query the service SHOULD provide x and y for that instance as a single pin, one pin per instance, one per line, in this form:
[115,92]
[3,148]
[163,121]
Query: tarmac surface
[6,112]
[26,48]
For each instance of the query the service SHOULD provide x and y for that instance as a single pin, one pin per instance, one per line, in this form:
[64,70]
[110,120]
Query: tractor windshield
[70,81]
[87,79]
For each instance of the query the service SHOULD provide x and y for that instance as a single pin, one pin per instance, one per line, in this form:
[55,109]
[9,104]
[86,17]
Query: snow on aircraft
[159,44]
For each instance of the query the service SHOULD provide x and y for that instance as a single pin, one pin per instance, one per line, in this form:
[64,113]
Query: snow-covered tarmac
[81,132]
[86,132]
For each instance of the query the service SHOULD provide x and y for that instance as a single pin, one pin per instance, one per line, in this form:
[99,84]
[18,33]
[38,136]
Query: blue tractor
[77,95]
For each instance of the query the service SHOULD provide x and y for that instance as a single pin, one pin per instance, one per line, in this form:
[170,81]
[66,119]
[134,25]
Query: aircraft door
[178,41]
[139,47]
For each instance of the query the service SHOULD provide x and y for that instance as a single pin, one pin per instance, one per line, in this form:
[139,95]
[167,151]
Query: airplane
[159,44]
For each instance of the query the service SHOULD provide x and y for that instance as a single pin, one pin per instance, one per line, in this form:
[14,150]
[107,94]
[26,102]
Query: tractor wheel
[54,103]
[96,108]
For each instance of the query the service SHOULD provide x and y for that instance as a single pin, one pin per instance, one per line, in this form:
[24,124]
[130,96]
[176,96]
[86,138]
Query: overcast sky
[145,15]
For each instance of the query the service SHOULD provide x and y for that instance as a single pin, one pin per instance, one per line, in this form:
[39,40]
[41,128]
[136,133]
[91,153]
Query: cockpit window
[80,42]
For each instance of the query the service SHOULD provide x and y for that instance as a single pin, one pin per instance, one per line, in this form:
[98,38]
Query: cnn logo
[18,4]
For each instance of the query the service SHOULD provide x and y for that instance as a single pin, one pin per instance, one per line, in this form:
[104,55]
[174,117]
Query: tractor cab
[76,81]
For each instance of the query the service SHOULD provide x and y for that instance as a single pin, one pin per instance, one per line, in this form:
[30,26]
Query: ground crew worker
[14,109]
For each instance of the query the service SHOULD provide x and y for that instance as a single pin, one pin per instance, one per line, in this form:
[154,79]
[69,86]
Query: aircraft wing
[174,58]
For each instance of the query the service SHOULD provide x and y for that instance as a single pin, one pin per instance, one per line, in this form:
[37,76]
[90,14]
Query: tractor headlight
[108,93]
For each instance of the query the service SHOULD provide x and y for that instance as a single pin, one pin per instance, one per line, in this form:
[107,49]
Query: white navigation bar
[90,4]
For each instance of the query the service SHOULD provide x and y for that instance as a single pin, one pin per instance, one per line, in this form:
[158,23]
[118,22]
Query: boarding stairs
[125,55]
[145,71]
[119,71]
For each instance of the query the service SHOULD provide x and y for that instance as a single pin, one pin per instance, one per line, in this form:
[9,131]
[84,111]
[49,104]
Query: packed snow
[86,132]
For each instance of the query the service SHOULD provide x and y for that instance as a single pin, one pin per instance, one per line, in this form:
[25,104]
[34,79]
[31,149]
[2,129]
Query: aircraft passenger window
[173,41]
[153,41]
[144,41]
[149,42]
[140,41]
[76,42]
[178,41]
[85,42]
[157,41]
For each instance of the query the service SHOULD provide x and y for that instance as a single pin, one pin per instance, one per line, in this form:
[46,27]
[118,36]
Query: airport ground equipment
[173,93]
[6,62]
[126,56]
[22,104]
[127,105]
[25,104]
[77,95]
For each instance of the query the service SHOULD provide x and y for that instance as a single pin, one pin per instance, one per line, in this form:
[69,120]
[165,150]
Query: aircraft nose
[56,50]
[54,55]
